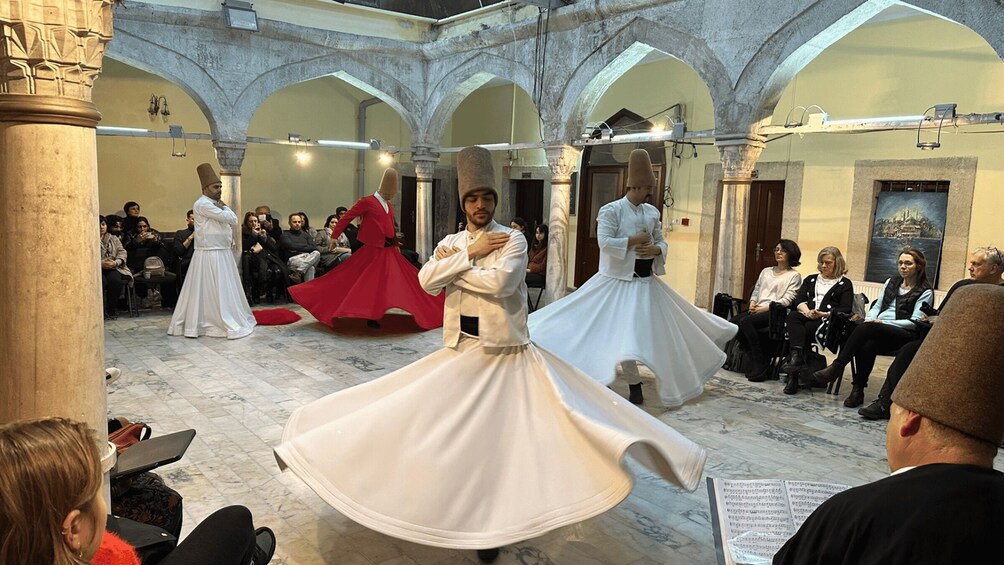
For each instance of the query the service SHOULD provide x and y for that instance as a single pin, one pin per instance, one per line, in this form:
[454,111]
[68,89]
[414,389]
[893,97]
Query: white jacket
[214,226]
[619,220]
[497,281]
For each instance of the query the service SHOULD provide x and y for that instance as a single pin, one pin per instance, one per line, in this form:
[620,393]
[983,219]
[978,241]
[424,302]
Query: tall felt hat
[957,379]
[207,175]
[390,179]
[640,169]
[475,171]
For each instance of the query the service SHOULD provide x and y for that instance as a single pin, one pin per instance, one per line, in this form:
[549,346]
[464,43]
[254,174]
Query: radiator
[873,291]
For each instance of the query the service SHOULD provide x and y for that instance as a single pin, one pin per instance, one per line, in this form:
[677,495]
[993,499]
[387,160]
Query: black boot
[795,362]
[792,385]
[856,397]
[636,397]
[831,373]
[757,368]
[488,555]
[878,410]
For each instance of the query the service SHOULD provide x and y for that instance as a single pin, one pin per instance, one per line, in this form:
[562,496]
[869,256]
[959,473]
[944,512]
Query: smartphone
[261,217]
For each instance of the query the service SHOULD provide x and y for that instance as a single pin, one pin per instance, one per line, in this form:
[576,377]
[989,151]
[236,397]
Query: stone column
[563,160]
[425,163]
[739,156]
[52,330]
[230,154]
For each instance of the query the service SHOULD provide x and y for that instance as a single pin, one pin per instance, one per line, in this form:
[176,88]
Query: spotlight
[240,15]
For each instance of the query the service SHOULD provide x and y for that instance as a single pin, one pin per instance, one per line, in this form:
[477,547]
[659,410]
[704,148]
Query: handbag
[128,434]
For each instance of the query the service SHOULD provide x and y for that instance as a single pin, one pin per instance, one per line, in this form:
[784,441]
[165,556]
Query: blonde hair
[48,468]
[839,266]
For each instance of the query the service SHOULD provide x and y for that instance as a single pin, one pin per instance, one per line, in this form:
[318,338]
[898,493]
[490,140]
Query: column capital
[562,159]
[739,155]
[53,48]
[230,154]
[425,160]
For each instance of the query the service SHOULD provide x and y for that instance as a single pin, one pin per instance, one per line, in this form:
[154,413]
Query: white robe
[212,301]
[615,317]
[474,446]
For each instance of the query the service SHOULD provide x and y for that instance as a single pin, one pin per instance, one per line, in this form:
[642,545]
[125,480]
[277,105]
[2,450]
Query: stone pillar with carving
[563,160]
[425,163]
[52,331]
[230,154]
[739,155]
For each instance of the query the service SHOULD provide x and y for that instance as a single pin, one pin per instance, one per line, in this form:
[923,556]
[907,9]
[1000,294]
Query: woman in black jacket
[816,300]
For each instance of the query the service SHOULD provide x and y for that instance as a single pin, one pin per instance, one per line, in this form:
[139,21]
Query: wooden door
[528,202]
[763,230]
[409,192]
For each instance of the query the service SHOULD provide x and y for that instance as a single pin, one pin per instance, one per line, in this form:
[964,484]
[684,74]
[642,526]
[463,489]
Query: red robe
[373,280]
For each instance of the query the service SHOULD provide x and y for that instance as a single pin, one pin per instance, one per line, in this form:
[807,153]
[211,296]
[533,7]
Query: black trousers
[749,326]
[226,537]
[111,284]
[898,368]
[868,341]
[801,330]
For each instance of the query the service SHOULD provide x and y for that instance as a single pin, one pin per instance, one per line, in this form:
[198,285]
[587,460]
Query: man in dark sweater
[986,264]
[298,248]
[944,502]
[184,247]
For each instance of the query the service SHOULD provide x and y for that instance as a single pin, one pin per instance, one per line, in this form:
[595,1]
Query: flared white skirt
[471,448]
[608,321]
[212,301]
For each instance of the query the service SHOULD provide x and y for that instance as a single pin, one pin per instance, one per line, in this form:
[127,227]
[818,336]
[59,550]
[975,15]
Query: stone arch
[620,52]
[458,82]
[183,72]
[802,39]
[340,65]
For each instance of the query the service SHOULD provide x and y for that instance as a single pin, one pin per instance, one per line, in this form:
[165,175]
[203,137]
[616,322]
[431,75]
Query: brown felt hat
[956,378]
[475,171]
[640,169]
[207,175]
[390,179]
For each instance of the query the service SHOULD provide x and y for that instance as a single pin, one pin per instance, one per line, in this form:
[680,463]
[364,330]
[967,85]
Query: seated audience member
[519,224]
[52,510]
[819,297]
[263,271]
[410,255]
[985,267]
[143,243]
[332,252]
[944,502]
[775,284]
[890,324]
[267,221]
[537,267]
[184,246]
[114,272]
[132,216]
[351,230]
[298,249]
[116,225]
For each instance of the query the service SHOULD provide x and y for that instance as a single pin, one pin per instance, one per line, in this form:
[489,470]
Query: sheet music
[805,497]
[757,517]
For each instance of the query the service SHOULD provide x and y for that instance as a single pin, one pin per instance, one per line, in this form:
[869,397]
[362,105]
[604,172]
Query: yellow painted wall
[900,67]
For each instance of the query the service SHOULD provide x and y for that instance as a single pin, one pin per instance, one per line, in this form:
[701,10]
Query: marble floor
[238,394]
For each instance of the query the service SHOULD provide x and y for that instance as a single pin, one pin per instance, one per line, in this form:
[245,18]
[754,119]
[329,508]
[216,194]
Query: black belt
[643,268]
[469,325]
[389,242]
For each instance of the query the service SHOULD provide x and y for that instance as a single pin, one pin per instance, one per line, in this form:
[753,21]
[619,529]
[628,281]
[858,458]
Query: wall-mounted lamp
[942,112]
[386,158]
[178,132]
[158,105]
[598,131]
[240,15]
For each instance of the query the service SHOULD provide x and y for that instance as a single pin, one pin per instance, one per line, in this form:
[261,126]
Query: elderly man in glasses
[986,264]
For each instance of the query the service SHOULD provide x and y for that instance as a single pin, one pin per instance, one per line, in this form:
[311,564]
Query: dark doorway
[604,174]
[528,202]
[409,194]
[764,229]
